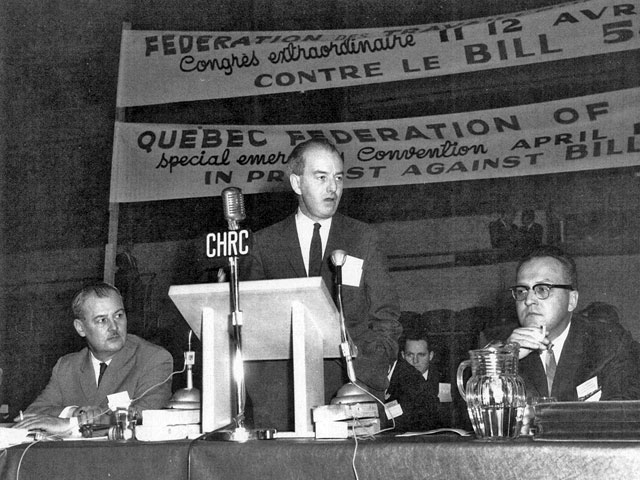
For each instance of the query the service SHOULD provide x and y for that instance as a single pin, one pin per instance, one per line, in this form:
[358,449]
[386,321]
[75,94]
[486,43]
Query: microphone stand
[338,258]
[238,432]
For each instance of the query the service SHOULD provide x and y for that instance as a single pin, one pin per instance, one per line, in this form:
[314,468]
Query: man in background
[301,246]
[563,355]
[503,233]
[415,385]
[112,362]
[531,232]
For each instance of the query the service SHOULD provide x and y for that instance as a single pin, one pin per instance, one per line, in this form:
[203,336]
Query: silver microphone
[233,207]
[338,258]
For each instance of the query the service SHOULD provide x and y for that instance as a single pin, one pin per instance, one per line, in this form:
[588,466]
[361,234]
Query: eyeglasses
[541,290]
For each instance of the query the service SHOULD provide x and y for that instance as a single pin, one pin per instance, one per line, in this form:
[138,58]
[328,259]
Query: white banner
[175,66]
[162,161]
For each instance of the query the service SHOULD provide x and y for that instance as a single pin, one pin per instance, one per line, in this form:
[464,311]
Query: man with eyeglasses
[563,355]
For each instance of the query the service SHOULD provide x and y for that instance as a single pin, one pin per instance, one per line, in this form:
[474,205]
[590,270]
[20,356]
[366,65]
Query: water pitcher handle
[463,365]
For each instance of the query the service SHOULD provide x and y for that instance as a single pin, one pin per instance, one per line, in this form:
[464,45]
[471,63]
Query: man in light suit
[561,355]
[371,307]
[77,387]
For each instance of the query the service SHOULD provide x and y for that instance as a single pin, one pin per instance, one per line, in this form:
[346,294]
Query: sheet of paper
[352,271]
[589,390]
[13,436]
[444,392]
[458,431]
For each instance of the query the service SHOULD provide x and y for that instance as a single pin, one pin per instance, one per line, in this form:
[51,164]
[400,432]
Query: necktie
[551,368]
[315,252]
[103,367]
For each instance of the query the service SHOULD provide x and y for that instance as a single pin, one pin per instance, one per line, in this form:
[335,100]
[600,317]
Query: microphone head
[233,204]
[338,257]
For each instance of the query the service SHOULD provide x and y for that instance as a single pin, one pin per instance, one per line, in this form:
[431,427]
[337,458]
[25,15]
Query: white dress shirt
[304,227]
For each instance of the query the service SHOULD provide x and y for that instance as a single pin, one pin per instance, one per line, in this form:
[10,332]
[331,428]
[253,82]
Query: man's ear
[431,355]
[79,326]
[295,183]
[573,300]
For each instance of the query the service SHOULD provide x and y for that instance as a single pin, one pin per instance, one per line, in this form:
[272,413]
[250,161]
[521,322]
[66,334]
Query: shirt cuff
[68,412]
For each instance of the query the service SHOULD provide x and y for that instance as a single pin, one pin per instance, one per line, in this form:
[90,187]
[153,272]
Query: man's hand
[530,339]
[89,414]
[47,423]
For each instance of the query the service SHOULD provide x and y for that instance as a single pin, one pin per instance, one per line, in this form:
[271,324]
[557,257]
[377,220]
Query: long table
[382,457]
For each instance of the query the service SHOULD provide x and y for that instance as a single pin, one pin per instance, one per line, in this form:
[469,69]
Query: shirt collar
[558,343]
[304,221]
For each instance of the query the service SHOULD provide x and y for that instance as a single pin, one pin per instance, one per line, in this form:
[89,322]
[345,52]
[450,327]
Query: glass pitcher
[495,394]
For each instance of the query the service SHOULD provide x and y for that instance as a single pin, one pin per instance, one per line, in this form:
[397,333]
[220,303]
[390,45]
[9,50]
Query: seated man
[414,385]
[112,362]
[560,351]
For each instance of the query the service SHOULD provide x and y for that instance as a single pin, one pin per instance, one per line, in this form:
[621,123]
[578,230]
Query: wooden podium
[288,318]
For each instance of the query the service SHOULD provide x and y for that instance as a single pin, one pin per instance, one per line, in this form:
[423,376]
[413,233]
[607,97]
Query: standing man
[503,233]
[112,362]
[564,355]
[531,232]
[415,385]
[301,246]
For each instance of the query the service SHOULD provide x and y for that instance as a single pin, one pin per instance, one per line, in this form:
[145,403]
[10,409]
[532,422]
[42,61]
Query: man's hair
[415,334]
[568,263]
[528,215]
[296,161]
[98,289]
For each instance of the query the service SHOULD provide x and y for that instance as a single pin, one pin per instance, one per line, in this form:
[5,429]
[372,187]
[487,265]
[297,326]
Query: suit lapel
[292,253]
[338,239]
[570,365]
[88,377]
[118,369]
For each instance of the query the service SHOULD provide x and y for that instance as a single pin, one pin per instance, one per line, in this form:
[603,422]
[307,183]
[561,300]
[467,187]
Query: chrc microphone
[233,242]
[233,207]
[338,258]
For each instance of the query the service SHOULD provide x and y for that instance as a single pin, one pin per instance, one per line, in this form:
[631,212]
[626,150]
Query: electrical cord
[39,437]
[356,422]
[184,368]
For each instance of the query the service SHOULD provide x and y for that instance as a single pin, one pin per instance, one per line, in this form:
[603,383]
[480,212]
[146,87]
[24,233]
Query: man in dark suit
[531,232]
[503,233]
[284,250]
[112,362]
[415,385]
[561,355]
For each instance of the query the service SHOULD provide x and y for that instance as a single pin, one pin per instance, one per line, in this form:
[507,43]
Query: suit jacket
[417,397]
[135,368]
[503,236]
[371,309]
[530,237]
[592,348]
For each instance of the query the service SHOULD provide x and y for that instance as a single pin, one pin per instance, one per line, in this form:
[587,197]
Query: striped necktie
[550,365]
